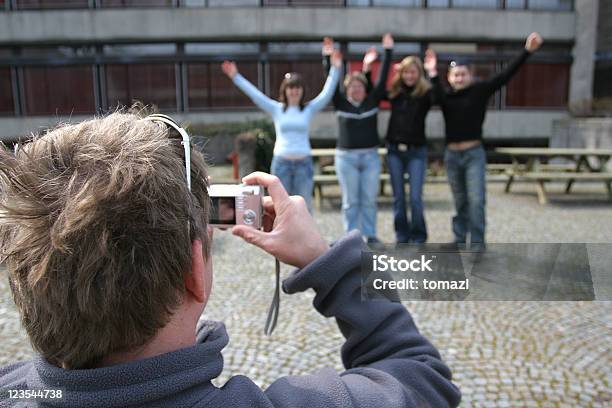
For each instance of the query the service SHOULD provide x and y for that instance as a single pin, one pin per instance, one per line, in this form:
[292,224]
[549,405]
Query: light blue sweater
[291,125]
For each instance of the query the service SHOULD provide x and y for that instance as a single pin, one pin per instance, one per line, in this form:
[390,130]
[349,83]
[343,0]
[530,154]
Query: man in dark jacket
[105,239]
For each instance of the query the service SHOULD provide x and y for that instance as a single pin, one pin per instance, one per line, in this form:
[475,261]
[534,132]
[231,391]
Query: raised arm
[366,67]
[327,50]
[323,98]
[388,362]
[533,42]
[369,84]
[383,74]
[264,103]
[438,94]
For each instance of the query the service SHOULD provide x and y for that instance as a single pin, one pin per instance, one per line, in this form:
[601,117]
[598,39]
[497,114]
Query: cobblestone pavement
[540,354]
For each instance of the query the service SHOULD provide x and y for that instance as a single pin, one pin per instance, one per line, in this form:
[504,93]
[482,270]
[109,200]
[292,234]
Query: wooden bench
[542,177]
[508,168]
[585,164]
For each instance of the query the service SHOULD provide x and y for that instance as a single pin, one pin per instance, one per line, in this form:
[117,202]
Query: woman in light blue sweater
[292,162]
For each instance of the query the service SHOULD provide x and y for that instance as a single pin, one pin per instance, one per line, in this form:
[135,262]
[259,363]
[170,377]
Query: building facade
[65,59]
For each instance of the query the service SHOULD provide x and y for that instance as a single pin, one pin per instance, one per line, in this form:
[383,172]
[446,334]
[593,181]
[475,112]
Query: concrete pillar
[582,71]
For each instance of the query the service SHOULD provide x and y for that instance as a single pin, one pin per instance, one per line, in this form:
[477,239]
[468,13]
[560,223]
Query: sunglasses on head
[455,63]
[168,121]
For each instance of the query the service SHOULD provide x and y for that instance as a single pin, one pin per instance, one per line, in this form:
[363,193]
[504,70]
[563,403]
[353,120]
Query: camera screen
[223,210]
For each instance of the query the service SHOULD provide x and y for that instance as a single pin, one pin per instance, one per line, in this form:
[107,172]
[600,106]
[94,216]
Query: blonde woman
[411,98]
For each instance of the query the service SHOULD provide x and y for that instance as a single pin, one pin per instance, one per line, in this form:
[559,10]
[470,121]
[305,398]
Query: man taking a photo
[104,235]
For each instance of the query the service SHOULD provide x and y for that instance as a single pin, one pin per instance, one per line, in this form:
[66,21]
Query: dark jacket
[388,363]
[408,113]
[464,110]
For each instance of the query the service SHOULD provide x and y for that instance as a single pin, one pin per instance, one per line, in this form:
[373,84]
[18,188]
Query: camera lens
[249,217]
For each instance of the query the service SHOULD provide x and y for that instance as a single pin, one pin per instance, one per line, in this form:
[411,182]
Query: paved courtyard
[502,354]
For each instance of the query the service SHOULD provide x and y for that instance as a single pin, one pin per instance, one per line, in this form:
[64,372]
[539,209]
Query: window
[58,90]
[563,5]
[136,3]
[399,48]
[295,48]
[222,50]
[219,3]
[148,83]
[303,2]
[6,92]
[539,85]
[483,71]
[602,84]
[46,4]
[438,3]
[402,3]
[59,52]
[475,3]
[130,50]
[515,4]
[209,87]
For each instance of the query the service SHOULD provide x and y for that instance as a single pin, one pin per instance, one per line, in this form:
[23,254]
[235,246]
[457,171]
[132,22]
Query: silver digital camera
[236,204]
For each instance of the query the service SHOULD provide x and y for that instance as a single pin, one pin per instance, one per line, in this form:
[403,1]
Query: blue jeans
[466,174]
[296,176]
[358,173]
[413,161]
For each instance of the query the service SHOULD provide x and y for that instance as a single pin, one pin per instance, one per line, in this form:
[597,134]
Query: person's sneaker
[373,240]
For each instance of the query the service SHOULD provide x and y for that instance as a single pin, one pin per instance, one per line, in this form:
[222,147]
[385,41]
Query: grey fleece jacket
[388,363]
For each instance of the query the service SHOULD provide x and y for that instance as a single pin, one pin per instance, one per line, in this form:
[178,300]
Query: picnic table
[532,164]
[330,152]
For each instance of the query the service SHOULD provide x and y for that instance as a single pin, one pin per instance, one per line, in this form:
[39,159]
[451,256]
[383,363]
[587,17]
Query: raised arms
[327,50]
[430,64]
[532,44]
[323,98]
[265,103]
[383,74]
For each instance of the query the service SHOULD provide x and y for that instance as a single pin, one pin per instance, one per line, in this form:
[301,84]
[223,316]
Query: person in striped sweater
[357,161]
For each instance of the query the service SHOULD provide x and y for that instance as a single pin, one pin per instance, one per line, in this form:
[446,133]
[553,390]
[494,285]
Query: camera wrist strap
[274,306]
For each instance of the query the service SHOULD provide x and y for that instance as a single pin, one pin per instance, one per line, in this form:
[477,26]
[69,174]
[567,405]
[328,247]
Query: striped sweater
[358,124]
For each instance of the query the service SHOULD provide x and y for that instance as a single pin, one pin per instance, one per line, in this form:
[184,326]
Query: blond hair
[422,85]
[96,231]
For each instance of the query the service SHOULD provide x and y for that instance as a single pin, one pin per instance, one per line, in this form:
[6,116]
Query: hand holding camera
[289,232]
